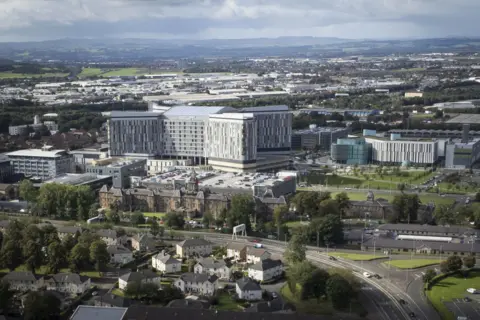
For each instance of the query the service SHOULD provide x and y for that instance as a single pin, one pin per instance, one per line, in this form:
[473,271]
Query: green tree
[99,254]
[469,262]
[68,243]
[349,276]
[6,294]
[137,218]
[50,234]
[154,228]
[429,275]
[297,274]
[242,208]
[279,214]
[444,266]
[328,206]
[477,196]
[315,285]
[11,254]
[296,250]
[113,217]
[208,219]
[79,257]
[41,306]
[406,207]
[328,229]
[444,214]
[174,220]
[133,289]
[56,254]
[32,251]
[27,191]
[343,202]
[339,291]
[454,263]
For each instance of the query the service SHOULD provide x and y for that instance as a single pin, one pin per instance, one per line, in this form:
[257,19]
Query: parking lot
[460,308]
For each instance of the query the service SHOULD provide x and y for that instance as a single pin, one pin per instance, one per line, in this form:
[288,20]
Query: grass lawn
[10,75]
[90,72]
[412,264]
[157,215]
[451,288]
[356,256]
[124,72]
[425,198]
[311,306]
[118,292]
[226,303]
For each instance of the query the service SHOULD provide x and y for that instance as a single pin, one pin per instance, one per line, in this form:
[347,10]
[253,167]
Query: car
[472,290]
[94,293]
[332,258]
[411,314]
[274,295]
[402,301]
[258,245]
[467,299]
[376,276]
[367,275]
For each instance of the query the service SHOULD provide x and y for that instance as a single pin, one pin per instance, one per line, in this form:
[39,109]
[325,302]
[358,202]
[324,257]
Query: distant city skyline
[37,20]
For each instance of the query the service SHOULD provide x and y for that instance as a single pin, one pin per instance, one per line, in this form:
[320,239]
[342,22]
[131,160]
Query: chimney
[466,130]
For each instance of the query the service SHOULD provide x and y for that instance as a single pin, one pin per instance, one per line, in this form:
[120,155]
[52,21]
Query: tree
[315,285]
[99,254]
[191,264]
[444,215]
[469,262]
[50,234]
[174,220]
[154,228]
[27,191]
[477,196]
[296,250]
[444,266]
[137,218]
[79,257]
[343,202]
[32,251]
[339,291]
[429,275]
[278,216]
[11,254]
[349,276]
[242,208]
[406,207]
[132,290]
[41,306]
[299,273]
[113,216]
[328,206]
[208,219]
[328,229]
[68,243]
[56,254]
[6,294]
[454,263]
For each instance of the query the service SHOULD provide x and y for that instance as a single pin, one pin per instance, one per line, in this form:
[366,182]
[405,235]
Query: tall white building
[398,151]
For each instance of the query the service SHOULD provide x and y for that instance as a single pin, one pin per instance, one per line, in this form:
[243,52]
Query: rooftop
[76,179]
[465,118]
[190,111]
[38,153]
[98,313]
[194,242]
[319,129]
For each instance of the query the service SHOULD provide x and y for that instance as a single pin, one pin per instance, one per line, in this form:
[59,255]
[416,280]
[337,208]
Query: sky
[36,20]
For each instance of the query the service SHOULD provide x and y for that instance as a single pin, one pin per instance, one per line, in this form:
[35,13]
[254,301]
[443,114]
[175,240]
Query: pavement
[460,308]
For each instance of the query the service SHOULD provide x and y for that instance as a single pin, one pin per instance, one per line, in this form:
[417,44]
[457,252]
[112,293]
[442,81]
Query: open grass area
[157,215]
[118,292]
[226,303]
[118,72]
[90,72]
[413,263]
[10,75]
[450,288]
[311,306]
[409,70]
[424,198]
[356,256]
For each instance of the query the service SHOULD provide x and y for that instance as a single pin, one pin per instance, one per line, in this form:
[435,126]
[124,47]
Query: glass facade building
[351,151]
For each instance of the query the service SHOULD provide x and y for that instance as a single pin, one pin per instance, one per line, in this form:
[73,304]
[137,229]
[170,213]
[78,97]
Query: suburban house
[277,305]
[194,247]
[213,267]
[249,290]
[23,280]
[237,251]
[108,236]
[166,263]
[112,300]
[144,276]
[143,242]
[265,270]
[197,283]
[255,255]
[64,231]
[119,254]
[67,282]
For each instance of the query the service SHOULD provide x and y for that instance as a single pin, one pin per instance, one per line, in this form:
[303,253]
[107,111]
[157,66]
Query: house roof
[98,313]
[107,233]
[427,228]
[276,305]
[194,243]
[236,246]
[210,263]
[73,278]
[198,277]
[113,249]
[114,300]
[257,252]
[154,313]
[247,284]
[389,243]
[266,264]
[21,276]
[67,229]
[165,258]
[139,276]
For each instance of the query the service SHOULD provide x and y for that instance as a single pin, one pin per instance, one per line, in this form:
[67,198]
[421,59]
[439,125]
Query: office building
[119,169]
[460,155]
[83,157]
[317,137]
[6,170]
[351,151]
[43,164]
[223,137]
[385,150]
[37,124]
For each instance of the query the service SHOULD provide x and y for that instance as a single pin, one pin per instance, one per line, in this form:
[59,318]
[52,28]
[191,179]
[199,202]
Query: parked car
[472,290]
[467,299]
[402,301]
[367,275]
[332,258]
[412,315]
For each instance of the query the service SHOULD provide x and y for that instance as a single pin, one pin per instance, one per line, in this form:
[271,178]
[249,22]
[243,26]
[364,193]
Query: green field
[412,264]
[9,75]
[452,288]
[311,306]
[226,303]
[356,256]
[157,215]
[424,198]
[117,72]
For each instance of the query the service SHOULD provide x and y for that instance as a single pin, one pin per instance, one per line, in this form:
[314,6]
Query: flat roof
[37,153]
[320,129]
[134,114]
[266,108]
[466,118]
[193,111]
[233,116]
[77,178]
[98,313]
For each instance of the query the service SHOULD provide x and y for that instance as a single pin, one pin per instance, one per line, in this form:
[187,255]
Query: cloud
[50,19]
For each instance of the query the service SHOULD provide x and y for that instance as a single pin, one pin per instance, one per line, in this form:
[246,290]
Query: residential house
[166,263]
[119,254]
[64,231]
[144,276]
[265,270]
[249,290]
[67,282]
[194,247]
[112,300]
[277,305]
[108,236]
[143,242]
[197,283]
[255,255]
[237,251]
[23,280]
[99,313]
[213,267]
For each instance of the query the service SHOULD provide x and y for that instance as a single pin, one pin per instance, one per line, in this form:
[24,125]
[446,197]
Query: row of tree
[452,264]
[34,247]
